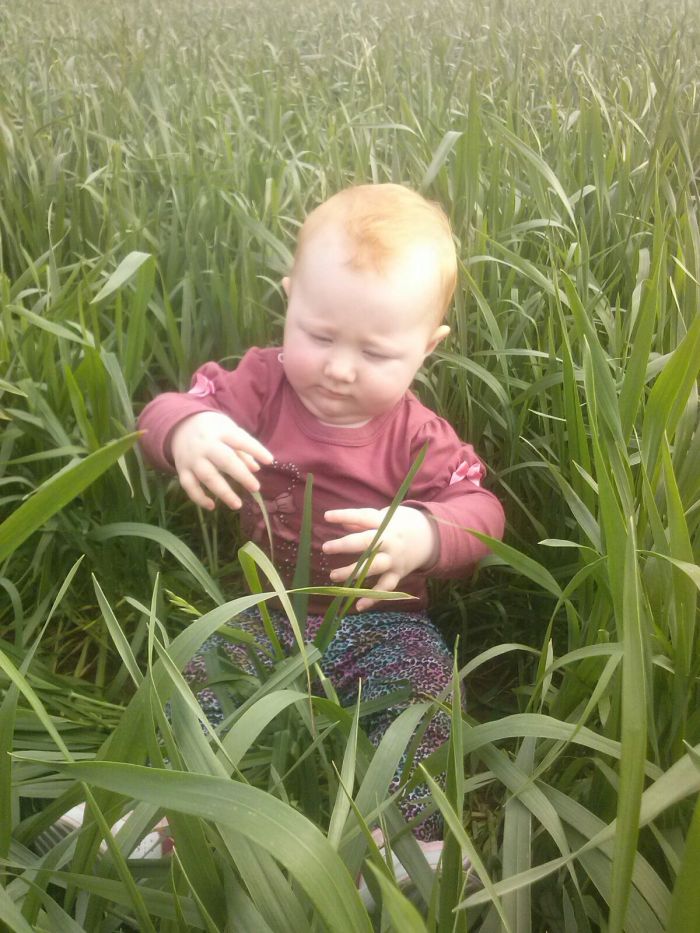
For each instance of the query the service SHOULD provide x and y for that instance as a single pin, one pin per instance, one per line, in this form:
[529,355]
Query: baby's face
[354,340]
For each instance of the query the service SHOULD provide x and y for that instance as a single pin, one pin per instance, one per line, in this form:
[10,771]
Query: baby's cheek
[299,364]
[387,391]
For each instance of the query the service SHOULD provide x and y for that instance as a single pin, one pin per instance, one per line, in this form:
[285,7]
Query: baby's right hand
[207,450]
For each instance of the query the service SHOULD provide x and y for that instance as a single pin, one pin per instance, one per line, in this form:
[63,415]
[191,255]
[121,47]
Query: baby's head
[373,276]
[387,225]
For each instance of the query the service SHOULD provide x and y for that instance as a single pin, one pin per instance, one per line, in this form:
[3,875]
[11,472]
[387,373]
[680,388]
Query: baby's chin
[334,420]
[330,413]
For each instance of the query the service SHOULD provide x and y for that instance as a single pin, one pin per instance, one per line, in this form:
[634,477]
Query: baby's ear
[286,285]
[437,337]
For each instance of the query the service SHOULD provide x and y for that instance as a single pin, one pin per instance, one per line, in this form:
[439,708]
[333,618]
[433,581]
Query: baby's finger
[249,461]
[209,476]
[364,604]
[354,543]
[195,491]
[361,518]
[342,574]
[240,440]
[347,527]
[230,463]
[387,583]
[380,564]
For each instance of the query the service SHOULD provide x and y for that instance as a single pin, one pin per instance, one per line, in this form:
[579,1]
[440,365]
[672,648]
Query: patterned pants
[385,650]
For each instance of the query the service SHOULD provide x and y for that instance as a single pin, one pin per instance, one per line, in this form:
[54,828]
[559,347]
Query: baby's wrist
[434,543]
[172,437]
[428,543]
[177,431]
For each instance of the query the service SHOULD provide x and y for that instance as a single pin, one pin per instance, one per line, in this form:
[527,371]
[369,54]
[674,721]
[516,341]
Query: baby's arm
[209,448]
[427,532]
[194,434]
[409,542]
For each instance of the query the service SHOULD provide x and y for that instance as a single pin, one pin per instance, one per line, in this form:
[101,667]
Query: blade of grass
[285,834]
[166,539]
[685,907]
[634,736]
[57,492]
[126,269]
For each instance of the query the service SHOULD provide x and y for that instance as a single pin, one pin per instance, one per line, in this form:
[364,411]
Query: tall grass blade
[634,736]
[400,912]
[12,915]
[57,492]
[166,539]
[685,908]
[282,832]
[669,396]
[126,269]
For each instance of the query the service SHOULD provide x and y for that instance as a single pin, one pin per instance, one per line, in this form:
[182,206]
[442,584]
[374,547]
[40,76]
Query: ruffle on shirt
[202,386]
[474,472]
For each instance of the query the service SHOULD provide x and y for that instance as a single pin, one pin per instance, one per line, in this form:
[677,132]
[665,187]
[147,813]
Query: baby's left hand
[409,542]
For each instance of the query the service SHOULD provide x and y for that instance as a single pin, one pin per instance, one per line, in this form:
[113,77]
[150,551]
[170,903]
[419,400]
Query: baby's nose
[341,368]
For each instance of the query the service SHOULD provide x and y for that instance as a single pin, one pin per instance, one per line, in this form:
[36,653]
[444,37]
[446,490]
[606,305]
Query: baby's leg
[222,660]
[386,650]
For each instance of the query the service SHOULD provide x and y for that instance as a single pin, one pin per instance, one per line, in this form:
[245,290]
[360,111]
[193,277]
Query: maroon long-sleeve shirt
[359,467]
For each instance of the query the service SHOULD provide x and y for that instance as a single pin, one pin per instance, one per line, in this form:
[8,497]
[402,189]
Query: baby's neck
[358,424]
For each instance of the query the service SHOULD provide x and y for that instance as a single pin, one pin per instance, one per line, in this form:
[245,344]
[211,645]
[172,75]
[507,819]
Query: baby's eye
[372,355]
[320,338]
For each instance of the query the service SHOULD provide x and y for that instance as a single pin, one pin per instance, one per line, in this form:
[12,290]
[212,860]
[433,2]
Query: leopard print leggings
[384,650]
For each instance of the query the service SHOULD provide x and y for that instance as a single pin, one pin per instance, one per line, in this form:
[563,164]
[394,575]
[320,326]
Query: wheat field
[156,160]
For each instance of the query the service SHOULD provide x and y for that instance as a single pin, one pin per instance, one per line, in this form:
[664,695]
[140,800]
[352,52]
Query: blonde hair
[382,223]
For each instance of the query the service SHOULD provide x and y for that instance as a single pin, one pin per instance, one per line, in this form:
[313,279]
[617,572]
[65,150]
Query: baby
[373,276]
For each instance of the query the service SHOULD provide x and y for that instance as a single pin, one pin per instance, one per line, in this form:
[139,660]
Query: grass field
[156,160]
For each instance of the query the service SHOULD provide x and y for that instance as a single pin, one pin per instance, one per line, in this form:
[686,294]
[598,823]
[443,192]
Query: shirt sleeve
[449,487]
[239,394]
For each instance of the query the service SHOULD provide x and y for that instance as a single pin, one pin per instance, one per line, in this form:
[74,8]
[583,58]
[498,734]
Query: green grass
[155,163]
